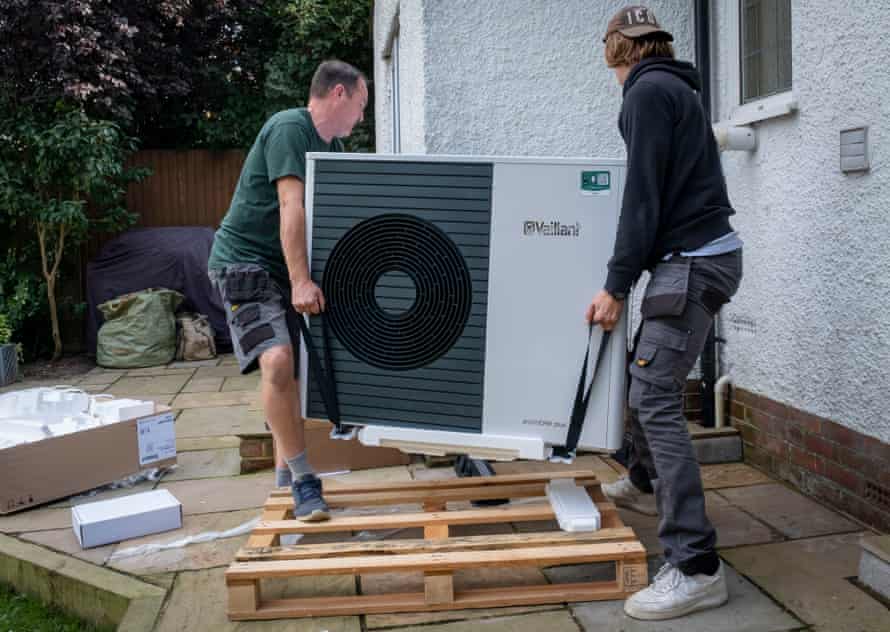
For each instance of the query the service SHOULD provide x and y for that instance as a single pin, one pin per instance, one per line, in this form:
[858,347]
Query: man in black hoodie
[675,223]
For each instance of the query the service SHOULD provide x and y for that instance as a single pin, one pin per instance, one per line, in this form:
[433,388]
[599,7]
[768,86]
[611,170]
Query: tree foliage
[82,80]
[62,179]
[178,73]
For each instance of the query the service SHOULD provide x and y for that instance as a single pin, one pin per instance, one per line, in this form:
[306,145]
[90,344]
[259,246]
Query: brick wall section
[256,454]
[692,401]
[822,458]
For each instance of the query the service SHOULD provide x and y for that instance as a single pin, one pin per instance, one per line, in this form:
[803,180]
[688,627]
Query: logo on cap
[636,21]
[640,15]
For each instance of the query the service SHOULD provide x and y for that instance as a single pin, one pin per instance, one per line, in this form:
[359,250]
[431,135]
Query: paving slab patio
[216,553]
[216,421]
[155,385]
[549,621]
[206,464]
[810,577]
[215,400]
[64,541]
[241,383]
[754,516]
[189,444]
[38,519]
[223,370]
[211,495]
[161,371]
[203,385]
[381,621]
[789,512]
[197,603]
[195,363]
[748,610]
[90,380]
[724,475]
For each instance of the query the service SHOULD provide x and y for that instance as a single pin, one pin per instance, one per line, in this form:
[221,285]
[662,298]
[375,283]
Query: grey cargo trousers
[683,295]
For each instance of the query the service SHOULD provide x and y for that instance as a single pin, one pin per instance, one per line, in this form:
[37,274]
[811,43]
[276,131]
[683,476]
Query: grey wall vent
[854,149]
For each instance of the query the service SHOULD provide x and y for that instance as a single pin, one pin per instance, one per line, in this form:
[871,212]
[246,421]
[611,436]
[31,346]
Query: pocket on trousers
[660,357]
[668,290]
[245,286]
[246,315]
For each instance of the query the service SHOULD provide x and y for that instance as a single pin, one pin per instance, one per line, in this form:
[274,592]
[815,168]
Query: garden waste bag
[139,329]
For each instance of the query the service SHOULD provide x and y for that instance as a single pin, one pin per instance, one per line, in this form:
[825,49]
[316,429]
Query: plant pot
[9,364]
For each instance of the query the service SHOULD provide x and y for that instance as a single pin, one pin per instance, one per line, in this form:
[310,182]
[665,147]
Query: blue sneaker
[309,506]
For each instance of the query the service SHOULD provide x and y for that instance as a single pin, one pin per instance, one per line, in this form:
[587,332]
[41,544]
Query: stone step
[716,445]
[874,565]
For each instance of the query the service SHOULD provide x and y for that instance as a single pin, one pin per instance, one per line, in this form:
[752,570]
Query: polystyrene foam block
[573,507]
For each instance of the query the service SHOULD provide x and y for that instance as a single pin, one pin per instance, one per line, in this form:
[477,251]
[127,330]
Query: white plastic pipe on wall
[719,390]
[732,138]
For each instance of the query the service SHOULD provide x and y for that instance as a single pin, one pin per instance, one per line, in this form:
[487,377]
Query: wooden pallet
[438,555]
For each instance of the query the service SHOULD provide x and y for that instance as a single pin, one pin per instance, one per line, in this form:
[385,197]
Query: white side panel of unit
[550,242]
[308,199]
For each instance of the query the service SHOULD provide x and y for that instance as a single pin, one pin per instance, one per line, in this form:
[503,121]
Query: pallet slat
[466,543]
[421,496]
[415,602]
[520,513]
[333,487]
[453,561]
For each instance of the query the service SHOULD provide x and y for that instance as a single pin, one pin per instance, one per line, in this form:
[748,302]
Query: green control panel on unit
[593,182]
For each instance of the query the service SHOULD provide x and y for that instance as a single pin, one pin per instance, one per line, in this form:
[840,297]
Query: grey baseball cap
[636,21]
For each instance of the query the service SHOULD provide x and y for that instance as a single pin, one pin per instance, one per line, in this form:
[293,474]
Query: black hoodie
[675,194]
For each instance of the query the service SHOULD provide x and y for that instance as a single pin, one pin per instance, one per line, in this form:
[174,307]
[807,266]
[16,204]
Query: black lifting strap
[324,377]
[582,397]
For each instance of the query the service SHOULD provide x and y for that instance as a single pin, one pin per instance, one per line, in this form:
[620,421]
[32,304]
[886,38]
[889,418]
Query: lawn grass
[19,613]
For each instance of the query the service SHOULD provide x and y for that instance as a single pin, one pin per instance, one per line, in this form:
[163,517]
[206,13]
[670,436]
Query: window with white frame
[765,48]
[760,68]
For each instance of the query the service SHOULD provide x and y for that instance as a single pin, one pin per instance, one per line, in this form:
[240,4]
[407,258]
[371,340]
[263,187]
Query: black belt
[324,377]
[582,399]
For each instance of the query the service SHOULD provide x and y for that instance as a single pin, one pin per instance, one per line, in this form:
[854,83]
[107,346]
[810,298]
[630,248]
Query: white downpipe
[719,390]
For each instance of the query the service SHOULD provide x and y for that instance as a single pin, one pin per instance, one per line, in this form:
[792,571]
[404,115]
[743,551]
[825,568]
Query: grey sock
[299,466]
[283,477]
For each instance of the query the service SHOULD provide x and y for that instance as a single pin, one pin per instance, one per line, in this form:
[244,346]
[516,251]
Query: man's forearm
[293,242]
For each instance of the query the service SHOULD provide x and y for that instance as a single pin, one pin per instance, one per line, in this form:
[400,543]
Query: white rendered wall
[811,324]
[408,14]
[513,77]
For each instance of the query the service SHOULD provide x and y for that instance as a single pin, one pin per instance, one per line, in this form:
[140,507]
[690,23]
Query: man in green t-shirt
[258,262]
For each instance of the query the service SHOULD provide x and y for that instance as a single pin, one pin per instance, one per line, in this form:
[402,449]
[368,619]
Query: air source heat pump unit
[456,289]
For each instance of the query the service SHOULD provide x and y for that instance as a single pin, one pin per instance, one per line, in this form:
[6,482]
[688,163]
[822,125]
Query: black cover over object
[173,258]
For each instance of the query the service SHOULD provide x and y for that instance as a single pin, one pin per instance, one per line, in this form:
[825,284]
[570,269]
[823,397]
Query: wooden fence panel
[187,188]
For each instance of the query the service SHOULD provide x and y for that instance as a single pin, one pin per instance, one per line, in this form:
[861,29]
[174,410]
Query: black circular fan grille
[408,325]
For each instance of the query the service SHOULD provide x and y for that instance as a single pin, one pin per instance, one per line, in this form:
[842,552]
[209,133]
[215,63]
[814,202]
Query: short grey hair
[331,72]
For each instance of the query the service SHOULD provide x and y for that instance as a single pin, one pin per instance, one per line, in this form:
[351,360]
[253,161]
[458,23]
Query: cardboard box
[335,455]
[125,517]
[35,473]
[324,454]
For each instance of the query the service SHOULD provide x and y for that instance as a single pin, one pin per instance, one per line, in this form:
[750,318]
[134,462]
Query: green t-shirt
[249,233]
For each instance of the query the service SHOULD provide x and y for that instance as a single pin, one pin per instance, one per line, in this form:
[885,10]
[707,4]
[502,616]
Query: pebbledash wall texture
[518,77]
[808,335]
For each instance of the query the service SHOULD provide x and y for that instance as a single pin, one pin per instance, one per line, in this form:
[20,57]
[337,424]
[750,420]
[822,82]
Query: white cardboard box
[125,517]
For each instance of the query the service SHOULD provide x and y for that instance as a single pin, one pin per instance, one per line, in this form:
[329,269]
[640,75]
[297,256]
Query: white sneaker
[673,594]
[623,493]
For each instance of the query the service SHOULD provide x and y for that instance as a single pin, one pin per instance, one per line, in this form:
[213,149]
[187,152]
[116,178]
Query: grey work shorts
[259,314]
